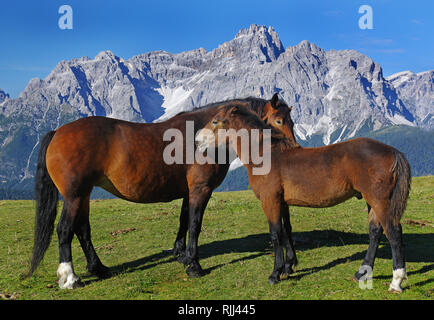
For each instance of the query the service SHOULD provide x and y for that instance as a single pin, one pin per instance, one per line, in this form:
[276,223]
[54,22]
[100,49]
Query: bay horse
[322,177]
[126,159]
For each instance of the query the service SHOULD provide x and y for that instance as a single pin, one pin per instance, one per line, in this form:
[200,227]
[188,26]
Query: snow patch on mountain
[174,99]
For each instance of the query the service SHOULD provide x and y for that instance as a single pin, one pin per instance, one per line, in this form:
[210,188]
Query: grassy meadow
[134,240]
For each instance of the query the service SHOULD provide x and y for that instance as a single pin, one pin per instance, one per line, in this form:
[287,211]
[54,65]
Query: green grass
[234,248]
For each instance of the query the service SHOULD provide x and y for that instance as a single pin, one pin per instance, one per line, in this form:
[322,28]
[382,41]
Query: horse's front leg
[291,258]
[198,199]
[180,242]
[273,211]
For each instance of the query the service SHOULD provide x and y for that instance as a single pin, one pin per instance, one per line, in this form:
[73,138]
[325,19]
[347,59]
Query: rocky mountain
[3,96]
[335,95]
[417,93]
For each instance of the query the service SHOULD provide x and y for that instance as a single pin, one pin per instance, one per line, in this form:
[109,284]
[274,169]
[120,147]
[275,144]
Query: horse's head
[232,122]
[277,114]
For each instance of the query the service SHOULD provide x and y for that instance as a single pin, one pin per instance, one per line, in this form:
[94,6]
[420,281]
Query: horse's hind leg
[394,235]
[375,232]
[65,232]
[179,246]
[291,258]
[399,273]
[82,230]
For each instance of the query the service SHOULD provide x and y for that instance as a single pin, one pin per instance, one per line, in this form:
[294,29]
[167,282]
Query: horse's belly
[145,191]
[317,196]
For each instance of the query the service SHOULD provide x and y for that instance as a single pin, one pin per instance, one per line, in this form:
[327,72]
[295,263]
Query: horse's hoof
[398,276]
[395,290]
[67,278]
[78,284]
[273,279]
[357,276]
[102,272]
[70,283]
[364,272]
[195,272]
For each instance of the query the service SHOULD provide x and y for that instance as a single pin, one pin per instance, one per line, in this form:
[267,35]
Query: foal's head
[241,120]
[277,114]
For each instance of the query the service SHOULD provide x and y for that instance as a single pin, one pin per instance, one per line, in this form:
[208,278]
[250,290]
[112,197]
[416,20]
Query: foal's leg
[277,238]
[65,232]
[399,273]
[375,232]
[394,235]
[198,199]
[179,246]
[82,230]
[291,258]
[273,211]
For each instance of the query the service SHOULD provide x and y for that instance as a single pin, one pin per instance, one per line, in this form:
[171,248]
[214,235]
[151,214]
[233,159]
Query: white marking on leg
[398,276]
[66,276]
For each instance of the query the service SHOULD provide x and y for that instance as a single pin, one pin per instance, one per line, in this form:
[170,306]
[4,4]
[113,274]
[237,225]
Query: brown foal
[321,177]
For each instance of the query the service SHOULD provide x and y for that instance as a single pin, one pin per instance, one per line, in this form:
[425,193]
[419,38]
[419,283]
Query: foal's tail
[402,174]
[47,197]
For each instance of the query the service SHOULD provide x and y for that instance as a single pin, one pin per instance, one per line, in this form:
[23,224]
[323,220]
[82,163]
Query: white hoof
[67,278]
[398,276]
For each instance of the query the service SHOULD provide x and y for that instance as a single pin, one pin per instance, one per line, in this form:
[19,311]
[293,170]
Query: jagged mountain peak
[417,92]
[336,94]
[3,96]
[258,30]
[106,54]
[259,41]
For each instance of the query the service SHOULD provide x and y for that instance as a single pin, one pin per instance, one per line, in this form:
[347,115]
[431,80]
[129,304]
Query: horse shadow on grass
[418,248]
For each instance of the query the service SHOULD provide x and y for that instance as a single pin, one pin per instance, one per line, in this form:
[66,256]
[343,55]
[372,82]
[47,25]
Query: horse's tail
[402,175]
[47,197]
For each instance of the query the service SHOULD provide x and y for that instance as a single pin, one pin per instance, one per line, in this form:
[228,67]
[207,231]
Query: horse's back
[325,176]
[119,156]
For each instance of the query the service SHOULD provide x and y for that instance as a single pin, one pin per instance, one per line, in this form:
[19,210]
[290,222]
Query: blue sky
[31,43]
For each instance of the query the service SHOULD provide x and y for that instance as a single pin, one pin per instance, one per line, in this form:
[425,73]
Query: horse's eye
[279,122]
[214,122]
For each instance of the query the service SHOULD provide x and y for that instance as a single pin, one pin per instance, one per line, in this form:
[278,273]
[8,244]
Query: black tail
[47,197]
[398,199]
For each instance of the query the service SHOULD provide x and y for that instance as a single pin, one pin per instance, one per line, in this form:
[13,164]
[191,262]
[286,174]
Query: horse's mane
[255,107]
[255,104]
[253,121]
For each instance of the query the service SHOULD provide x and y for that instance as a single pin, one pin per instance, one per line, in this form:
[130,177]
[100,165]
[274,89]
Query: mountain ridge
[335,94]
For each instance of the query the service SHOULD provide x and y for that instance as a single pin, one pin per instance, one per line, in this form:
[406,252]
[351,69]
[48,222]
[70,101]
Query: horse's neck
[251,157]
[200,118]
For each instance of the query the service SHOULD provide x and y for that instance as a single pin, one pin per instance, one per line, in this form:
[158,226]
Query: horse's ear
[290,108]
[274,101]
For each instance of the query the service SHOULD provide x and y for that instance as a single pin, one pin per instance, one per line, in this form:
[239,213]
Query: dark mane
[255,104]
[252,120]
